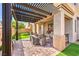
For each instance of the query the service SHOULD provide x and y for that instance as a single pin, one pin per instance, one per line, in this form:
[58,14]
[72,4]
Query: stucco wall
[68,28]
[59,23]
[77,29]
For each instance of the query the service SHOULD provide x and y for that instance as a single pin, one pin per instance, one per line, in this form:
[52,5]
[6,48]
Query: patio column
[42,28]
[46,27]
[40,32]
[59,37]
[33,27]
[74,29]
[6,29]
[16,29]
[37,26]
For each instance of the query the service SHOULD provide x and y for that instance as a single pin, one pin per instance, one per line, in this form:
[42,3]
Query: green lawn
[71,50]
[0,48]
[22,36]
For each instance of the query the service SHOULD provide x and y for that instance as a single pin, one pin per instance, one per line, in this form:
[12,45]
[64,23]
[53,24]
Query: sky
[0,11]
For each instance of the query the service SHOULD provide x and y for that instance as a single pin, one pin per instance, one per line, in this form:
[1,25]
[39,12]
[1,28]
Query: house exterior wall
[71,7]
[74,34]
[62,27]
[78,29]
[68,28]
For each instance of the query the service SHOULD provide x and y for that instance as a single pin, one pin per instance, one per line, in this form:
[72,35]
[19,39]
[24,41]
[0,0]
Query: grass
[71,50]
[0,48]
[22,36]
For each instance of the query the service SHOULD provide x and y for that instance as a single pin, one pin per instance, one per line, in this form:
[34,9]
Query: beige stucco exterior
[64,22]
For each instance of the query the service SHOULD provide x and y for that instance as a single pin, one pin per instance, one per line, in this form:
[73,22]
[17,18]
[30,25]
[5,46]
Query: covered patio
[47,28]
[22,12]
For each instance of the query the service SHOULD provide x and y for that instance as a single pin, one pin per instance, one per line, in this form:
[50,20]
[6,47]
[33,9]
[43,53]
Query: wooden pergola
[27,12]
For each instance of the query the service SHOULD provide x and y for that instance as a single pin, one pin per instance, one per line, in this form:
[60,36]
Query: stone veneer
[59,42]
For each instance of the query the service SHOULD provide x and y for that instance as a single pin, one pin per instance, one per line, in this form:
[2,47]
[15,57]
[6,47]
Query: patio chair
[35,40]
[42,40]
[49,40]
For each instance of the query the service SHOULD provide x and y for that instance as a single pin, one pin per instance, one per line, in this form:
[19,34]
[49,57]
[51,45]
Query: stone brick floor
[26,48]
[0,53]
[18,48]
[31,50]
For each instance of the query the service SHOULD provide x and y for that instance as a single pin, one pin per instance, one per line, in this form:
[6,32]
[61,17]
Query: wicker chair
[42,40]
[35,40]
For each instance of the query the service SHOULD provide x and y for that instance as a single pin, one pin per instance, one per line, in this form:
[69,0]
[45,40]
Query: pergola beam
[26,19]
[20,15]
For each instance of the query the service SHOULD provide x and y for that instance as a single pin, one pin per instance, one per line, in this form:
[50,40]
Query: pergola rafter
[27,11]
[33,11]
[35,8]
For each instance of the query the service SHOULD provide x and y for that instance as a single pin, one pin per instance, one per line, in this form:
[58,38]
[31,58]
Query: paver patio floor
[31,50]
[26,48]
[18,48]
